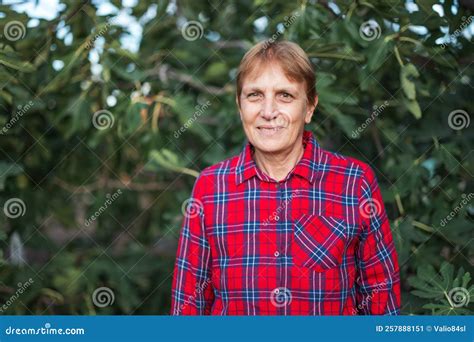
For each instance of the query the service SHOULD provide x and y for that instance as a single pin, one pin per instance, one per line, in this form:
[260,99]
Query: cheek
[248,113]
[297,113]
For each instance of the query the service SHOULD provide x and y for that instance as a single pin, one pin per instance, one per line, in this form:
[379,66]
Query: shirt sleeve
[192,292]
[378,277]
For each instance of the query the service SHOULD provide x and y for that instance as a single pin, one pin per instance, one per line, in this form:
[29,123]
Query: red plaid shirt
[316,243]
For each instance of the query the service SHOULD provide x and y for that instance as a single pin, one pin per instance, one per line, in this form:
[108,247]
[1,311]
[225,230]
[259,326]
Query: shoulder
[210,177]
[224,167]
[349,166]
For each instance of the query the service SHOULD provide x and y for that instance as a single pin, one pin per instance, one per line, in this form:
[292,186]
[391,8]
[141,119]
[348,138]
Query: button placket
[279,223]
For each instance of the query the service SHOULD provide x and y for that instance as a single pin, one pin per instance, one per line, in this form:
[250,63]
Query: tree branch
[165,72]
[110,184]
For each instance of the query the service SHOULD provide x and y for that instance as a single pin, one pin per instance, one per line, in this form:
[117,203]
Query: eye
[286,96]
[254,96]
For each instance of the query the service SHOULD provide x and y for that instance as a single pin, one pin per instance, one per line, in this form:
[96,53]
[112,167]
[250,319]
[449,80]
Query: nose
[268,111]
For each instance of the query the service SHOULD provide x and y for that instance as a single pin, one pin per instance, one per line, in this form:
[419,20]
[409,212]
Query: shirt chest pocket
[318,242]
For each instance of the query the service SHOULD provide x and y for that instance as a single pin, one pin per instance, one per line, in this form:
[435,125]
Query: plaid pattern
[316,243]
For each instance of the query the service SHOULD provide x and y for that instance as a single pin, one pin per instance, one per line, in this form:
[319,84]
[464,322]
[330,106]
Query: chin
[269,146]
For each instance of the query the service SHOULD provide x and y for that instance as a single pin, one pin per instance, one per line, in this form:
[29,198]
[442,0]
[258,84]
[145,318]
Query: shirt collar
[307,167]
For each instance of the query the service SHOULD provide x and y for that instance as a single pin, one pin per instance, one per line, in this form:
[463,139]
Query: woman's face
[274,110]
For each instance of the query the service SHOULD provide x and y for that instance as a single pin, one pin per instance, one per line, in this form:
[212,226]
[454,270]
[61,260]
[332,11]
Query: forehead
[269,73]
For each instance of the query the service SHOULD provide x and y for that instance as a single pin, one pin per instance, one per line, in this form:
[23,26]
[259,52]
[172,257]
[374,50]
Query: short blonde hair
[290,56]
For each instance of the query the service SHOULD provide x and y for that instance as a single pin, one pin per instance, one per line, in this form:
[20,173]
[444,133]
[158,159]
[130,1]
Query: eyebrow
[277,90]
[287,90]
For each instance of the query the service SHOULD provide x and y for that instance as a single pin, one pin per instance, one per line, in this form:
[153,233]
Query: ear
[310,110]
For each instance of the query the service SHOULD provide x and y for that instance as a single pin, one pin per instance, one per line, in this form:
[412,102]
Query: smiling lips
[268,130]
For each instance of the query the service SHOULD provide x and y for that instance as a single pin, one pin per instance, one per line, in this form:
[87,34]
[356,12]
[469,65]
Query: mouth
[269,130]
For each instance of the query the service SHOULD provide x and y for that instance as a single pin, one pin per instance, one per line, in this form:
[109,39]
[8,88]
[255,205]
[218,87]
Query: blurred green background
[109,110]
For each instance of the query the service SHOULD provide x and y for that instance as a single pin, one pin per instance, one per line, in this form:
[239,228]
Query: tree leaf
[168,160]
[413,107]
[407,72]
[13,60]
[6,170]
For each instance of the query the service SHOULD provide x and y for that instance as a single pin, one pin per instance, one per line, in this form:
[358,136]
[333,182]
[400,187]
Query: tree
[104,129]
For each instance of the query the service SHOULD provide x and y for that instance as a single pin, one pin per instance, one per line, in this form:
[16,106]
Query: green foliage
[84,115]
[442,287]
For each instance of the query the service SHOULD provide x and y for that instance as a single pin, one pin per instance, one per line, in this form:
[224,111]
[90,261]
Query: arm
[192,292]
[378,278]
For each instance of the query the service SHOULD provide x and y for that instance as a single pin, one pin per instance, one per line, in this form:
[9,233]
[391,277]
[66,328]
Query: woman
[285,227]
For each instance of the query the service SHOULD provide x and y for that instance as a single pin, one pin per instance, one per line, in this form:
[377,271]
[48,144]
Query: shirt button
[277,254]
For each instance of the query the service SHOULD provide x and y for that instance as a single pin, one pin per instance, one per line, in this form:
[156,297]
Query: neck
[278,165]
